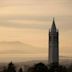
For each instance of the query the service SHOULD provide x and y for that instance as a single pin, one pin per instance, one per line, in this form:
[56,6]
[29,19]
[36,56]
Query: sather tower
[53,44]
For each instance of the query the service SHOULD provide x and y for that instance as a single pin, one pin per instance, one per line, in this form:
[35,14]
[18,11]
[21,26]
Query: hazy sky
[28,21]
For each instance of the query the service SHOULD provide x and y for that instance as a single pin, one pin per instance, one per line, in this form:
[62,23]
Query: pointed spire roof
[53,27]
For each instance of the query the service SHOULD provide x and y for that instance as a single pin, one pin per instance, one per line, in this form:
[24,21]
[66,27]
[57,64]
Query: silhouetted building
[53,44]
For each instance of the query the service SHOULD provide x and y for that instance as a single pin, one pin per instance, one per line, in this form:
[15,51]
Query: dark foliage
[54,67]
[20,70]
[40,67]
[4,69]
[70,68]
[31,69]
[10,68]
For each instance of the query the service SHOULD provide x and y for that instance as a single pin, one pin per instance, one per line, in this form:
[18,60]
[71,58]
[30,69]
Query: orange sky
[28,21]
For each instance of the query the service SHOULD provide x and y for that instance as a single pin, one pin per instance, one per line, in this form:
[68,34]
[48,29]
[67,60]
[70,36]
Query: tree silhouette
[31,69]
[53,67]
[70,68]
[11,67]
[62,68]
[20,70]
[40,67]
[57,68]
[4,69]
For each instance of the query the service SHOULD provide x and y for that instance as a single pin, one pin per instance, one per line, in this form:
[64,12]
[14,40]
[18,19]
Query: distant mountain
[19,47]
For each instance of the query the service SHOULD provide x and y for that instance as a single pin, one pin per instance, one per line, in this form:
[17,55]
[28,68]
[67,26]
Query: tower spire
[53,27]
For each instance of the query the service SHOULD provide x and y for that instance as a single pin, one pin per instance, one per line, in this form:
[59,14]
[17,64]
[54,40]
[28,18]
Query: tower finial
[53,28]
[53,22]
